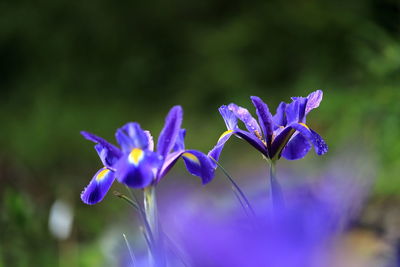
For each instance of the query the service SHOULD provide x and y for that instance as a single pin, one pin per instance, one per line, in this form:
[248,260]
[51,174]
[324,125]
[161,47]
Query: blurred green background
[67,66]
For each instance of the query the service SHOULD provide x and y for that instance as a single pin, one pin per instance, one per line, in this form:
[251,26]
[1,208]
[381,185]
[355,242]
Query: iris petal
[245,116]
[264,117]
[168,163]
[216,151]
[169,133]
[319,144]
[180,141]
[253,140]
[198,164]
[130,136]
[295,111]
[116,152]
[106,156]
[150,139]
[296,148]
[313,100]
[98,186]
[138,168]
[280,116]
[229,117]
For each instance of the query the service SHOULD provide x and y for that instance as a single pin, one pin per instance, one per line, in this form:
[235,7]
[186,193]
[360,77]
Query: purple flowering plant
[283,134]
[137,164]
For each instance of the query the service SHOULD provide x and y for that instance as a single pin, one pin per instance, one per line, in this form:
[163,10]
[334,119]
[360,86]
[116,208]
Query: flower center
[136,155]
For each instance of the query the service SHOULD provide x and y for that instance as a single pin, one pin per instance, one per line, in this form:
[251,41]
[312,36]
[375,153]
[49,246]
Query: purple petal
[245,116]
[169,162]
[314,99]
[98,186]
[132,136]
[198,164]
[280,140]
[319,144]
[151,140]
[216,151]
[98,140]
[169,133]
[229,117]
[280,116]
[138,169]
[180,141]
[295,111]
[264,118]
[296,148]
[106,156]
[253,140]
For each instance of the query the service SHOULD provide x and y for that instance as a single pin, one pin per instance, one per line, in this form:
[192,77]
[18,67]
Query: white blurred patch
[60,219]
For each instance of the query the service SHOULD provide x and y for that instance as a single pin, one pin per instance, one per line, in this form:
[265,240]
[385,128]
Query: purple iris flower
[136,164]
[283,134]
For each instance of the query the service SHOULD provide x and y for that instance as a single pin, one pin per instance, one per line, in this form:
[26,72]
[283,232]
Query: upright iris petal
[169,133]
[264,118]
[279,118]
[132,136]
[245,116]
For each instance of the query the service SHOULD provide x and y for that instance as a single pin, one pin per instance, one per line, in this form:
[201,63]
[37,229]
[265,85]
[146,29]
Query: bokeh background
[67,66]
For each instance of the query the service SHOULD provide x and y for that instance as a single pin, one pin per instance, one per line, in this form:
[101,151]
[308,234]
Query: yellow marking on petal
[191,157]
[136,156]
[304,125]
[225,134]
[102,174]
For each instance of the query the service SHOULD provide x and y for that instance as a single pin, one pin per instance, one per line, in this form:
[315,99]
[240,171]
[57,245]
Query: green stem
[150,209]
[244,202]
[276,190]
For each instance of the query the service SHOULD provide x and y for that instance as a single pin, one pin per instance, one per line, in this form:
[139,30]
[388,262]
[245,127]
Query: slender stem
[134,203]
[127,199]
[133,258]
[150,209]
[244,202]
[276,190]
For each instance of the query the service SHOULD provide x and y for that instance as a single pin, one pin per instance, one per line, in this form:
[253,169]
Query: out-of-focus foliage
[67,66]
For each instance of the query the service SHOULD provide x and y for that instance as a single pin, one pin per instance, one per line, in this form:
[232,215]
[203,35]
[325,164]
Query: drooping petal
[169,133]
[295,111]
[283,138]
[313,100]
[98,186]
[106,156]
[198,164]
[116,152]
[253,140]
[264,118]
[280,116]
[216,151]
[245,116]
[132,136]
[180,141]
[138,168]
[319,144]
[297,147]
[229,117]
